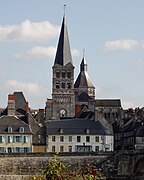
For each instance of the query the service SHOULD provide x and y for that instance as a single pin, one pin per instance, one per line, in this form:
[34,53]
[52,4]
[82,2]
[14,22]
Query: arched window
[57,74]
[68,85]
[63,85]
[57,85]
[68,74]
[63,74]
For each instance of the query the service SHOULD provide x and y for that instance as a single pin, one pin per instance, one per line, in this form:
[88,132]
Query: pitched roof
[108,102]
[20,103]
[15,123]
[83,80]
[63,54]
[76,126]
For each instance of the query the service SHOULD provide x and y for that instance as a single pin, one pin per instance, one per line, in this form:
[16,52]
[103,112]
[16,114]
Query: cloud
[28,31]
[40,52]
[32,89]
[37,52]
[125,44]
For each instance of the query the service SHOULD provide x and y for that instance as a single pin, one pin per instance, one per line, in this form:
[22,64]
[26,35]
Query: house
[78,135]
[27,133]
[15,135]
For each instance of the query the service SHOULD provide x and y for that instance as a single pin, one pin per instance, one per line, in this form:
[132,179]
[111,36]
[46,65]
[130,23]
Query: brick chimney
[77,109]
[27,107]
[11,105]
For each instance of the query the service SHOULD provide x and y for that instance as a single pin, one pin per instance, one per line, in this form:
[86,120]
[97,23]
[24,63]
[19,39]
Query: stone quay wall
[23,166]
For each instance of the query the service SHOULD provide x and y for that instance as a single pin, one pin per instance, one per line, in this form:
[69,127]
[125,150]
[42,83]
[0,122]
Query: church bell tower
[63,97]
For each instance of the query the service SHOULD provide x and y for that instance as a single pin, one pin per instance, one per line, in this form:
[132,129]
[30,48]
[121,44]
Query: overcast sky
[111,32]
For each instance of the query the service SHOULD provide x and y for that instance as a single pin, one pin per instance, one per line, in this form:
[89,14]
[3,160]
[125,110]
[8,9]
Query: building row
[73,119]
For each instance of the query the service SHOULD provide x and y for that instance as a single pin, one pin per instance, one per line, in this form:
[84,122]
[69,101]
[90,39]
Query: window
[70,138]
[61,149]
[21,129]
[70,148]
[78,139]
[25,139]
[57,85]
[63,85]
[2,150]
[26,149]
[87,139]
[87,131]
[68,85]
[9,129]
[61,138]
[97,139]
[57,74]
[9,139]
[1,139]
[61,130]
[63,74]
[17,139]
[96,148]
[69,74]
[53,138]
[53,148]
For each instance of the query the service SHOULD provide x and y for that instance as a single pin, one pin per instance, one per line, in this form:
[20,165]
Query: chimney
[27,107]
[11,105]
[77,109]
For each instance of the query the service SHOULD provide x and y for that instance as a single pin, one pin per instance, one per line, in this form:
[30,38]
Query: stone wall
[23,166]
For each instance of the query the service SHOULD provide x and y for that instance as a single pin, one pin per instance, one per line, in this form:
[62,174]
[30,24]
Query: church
[73,121]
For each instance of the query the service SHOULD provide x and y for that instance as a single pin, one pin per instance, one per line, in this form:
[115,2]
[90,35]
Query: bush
[56,170]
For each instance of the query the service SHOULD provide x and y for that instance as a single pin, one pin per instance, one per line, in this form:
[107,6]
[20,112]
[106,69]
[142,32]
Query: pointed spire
[83,65]
[63,54]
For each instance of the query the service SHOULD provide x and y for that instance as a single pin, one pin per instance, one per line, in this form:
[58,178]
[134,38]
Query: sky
[111,32]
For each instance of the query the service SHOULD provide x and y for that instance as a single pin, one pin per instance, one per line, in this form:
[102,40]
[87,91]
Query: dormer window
[9,129]
[61,130]
[87,131]
[21,129]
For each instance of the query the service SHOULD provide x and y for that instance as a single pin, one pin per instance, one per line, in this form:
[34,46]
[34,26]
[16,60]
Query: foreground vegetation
[57,170]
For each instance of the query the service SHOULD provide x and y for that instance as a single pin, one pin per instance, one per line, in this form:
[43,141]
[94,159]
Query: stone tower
[84,89]
[63,98]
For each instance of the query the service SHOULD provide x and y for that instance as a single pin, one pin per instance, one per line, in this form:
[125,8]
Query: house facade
[15,135]
[78,135]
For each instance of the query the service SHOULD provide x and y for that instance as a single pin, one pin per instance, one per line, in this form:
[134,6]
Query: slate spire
[63,54]
[83,79]
[83,65]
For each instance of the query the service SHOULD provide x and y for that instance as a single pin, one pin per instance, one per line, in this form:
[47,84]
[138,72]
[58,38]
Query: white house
[77,135]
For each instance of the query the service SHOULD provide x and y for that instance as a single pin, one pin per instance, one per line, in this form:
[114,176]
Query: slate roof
[140,131]
[84,97]
[15,123]
[20,103]
[83,79]
[76,126]
[108,102]
[63,54]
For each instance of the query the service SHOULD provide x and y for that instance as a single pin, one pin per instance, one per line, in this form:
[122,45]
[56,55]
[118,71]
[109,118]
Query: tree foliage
[57,170]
